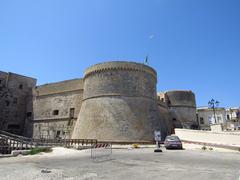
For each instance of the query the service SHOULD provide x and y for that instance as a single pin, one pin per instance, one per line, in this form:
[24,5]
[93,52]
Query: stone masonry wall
[182,105]
[56,108]
[15,95]
[119,103]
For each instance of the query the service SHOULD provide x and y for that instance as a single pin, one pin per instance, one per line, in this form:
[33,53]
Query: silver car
[173,142]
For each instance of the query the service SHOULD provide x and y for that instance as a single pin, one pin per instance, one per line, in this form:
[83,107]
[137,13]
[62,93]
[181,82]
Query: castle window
[201,120]
[0,81]
[29,114]
[7,103]
[13,126]
[55,112]
[71,113]
[58,134]
[174,119]
[162,99]
[20,86]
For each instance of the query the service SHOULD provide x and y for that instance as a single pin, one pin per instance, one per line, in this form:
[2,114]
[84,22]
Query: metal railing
[10,142]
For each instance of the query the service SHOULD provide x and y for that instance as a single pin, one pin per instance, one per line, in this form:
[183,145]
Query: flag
[146,60]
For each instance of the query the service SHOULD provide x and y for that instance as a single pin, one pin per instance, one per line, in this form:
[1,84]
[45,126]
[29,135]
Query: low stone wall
[225,138]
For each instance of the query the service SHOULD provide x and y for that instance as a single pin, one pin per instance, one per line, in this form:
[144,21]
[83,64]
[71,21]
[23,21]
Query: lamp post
[213,104]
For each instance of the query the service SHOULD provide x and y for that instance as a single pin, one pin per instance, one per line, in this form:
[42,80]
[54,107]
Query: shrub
[204,148]
[40,149]
[135,146]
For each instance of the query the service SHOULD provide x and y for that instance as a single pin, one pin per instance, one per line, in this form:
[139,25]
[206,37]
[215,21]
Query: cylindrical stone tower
[119,103]
[182,104]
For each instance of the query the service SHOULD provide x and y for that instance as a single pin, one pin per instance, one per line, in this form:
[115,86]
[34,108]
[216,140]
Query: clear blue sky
[193,44]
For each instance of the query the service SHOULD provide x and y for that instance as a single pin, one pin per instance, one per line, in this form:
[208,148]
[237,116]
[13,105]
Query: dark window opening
[162,99]
[201,120]
[169,102]
[20,86]
[72,110]
[228,117]
[58,134]
[15,100]
[7,103]
[174,119]
[29,114]
[0,81]
[55,112]
[13,126]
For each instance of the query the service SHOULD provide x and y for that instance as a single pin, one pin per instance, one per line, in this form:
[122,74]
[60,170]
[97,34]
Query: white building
[233,118]
[206,117]
[233,114]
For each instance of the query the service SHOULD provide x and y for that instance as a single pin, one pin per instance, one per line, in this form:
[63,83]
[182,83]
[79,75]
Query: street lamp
[213,104]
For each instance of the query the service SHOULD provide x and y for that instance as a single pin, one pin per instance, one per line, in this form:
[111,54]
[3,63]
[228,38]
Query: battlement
[120,65]
[59,87]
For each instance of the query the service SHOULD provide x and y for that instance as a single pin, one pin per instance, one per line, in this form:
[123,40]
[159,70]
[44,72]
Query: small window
[162,99]
[15,100]
[58,134]
[71,113]
[55,112]
[7,103]
[29,114]
[20,86]
[228,117]
[0,81]
[201,120]
[174,119]
[13,126]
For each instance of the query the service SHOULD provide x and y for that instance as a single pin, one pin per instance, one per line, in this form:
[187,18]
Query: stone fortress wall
[56,108]
[16,103]
[119,103]
[182,105]
[166,117]
[115,101]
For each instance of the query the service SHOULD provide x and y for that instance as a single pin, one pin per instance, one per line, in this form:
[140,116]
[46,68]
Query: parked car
[173,142]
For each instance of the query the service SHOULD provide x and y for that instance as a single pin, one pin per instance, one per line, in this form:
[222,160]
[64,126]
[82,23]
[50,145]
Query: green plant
[40,149]
[204,148]
[135,146]
[210,148]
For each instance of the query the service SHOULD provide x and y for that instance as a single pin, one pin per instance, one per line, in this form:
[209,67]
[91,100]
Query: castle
[115,101]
